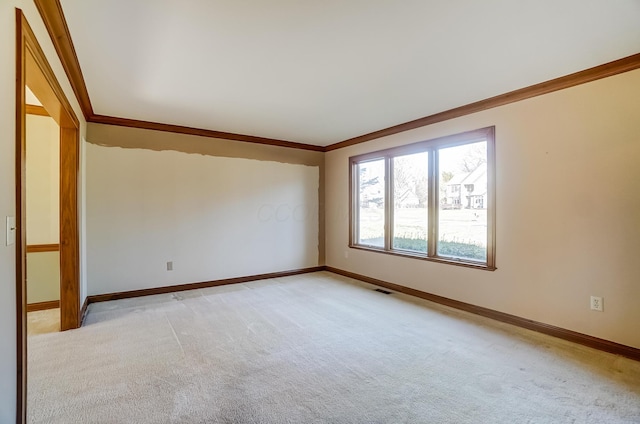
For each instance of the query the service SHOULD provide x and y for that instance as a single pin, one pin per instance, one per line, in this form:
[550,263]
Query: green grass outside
[445,248]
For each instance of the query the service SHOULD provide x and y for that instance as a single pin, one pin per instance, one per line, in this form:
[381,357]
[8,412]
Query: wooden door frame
[33,69]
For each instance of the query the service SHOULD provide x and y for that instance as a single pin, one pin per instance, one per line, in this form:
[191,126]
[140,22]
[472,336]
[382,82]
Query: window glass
[462,226]
[410,201]
[371,206]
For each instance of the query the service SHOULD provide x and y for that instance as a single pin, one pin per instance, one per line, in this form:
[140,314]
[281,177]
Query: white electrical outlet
[346,254]
[170,266]
[596,303]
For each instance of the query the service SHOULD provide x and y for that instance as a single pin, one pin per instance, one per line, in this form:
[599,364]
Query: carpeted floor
[42,322]
[316,348]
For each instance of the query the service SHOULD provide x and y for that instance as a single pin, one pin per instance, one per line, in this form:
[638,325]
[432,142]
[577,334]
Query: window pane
[410,200]
[462,231]
[371,203]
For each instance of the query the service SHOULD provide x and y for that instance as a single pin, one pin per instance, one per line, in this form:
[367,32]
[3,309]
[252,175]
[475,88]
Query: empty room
[319,212]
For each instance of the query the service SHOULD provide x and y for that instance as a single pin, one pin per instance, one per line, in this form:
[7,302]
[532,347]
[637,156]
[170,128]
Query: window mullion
[491,206]
[433,201]
[388,203]
[354,177]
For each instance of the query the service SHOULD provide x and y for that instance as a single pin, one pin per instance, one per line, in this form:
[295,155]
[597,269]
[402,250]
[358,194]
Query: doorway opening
[43,223]
[34,71]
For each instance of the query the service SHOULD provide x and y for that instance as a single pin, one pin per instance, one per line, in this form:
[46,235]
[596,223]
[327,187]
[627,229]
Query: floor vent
[383,291]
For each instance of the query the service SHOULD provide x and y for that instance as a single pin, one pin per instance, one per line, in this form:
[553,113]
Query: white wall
[568,211]
[214,217]
[7,183]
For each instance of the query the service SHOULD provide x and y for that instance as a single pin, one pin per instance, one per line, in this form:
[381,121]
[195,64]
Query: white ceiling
[320,72]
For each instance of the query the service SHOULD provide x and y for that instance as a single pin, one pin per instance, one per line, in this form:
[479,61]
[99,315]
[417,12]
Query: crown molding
[133,123]
[626,64]
[56,24]
[54,20]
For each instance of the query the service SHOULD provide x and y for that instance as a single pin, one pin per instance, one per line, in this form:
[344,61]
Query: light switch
[11,230]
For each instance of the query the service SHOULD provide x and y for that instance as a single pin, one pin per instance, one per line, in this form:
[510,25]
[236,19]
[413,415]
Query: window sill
[407,254]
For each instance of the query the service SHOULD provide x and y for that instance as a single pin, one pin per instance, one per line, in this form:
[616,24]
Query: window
[371,203]
[432,200]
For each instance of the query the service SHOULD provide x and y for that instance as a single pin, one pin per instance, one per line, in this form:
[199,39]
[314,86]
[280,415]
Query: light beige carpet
[316,348]
[42,322]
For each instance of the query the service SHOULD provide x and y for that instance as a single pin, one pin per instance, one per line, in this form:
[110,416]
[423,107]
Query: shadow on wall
[137,138]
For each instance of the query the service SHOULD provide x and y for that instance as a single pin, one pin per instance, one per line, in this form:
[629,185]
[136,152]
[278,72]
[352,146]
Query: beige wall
[7,182]
[43,271]
[43,170]
[215,208]
[568,211]
[43,200]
